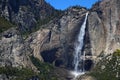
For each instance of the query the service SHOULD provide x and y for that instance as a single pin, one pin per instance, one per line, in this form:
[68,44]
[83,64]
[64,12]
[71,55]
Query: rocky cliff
[13,50]
[50,43]
[54,41]
[103,23]
[25,13]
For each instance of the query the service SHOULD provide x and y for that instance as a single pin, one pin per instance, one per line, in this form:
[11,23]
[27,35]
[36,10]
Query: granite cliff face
[103,23]
[25,13]
[13,50]
[50,43]
[54,41]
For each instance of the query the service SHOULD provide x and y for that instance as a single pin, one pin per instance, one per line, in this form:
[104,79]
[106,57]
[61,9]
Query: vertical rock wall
[103,23]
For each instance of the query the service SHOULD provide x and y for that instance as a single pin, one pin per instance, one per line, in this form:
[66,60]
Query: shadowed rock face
[25,13]
[88,65]
[49,55]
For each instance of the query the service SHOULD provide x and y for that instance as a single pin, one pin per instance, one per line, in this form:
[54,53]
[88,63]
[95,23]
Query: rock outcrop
[106,69]
[53,42]
[13,51]
[25,13]
[97,34]
[103,24]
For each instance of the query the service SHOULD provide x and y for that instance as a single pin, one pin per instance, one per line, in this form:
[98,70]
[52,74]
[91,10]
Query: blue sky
[63,4]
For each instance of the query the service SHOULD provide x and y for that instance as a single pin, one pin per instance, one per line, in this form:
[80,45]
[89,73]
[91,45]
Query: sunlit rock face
[97,34]
[13,51]
[111,21]
[103,23]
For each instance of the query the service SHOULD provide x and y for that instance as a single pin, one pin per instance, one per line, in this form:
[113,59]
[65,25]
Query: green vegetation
[4,24]
[46,70]
[17,73]
[117,53]
[108,68]
[78,7]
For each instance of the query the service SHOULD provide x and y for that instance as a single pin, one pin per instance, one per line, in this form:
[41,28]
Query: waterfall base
[76,74]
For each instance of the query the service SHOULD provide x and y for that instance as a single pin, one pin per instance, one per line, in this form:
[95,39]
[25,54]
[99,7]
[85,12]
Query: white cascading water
[78,60]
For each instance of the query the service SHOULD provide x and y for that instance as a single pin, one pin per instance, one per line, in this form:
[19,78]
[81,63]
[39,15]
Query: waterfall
[78,59]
